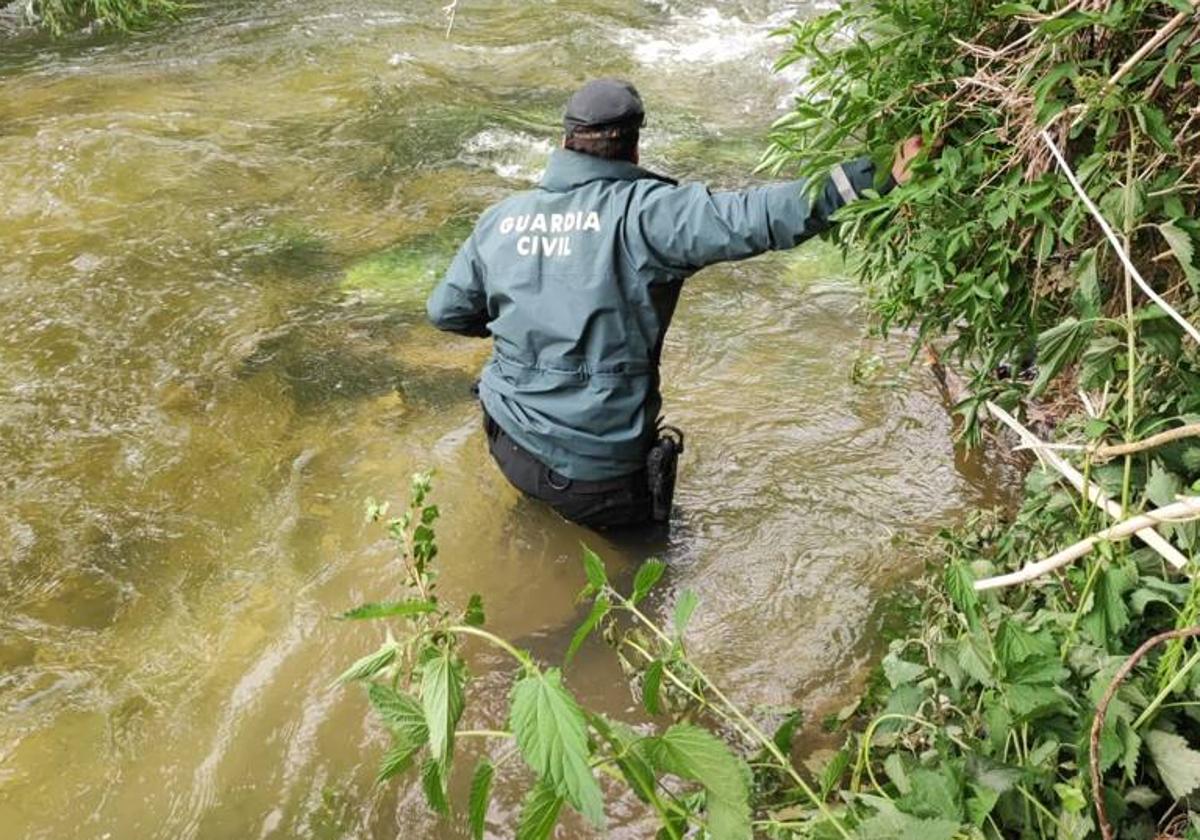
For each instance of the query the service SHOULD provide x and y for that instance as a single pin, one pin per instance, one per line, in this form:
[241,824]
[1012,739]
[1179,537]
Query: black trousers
[612,503]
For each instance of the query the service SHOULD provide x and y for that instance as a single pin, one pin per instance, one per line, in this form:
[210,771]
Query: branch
[1112,238]
[1184,510]
[1106,452]
[1106,831]
[1149,536]
[1168,29]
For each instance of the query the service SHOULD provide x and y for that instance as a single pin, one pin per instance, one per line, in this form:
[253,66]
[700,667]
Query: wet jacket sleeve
[685,228]
[459,304]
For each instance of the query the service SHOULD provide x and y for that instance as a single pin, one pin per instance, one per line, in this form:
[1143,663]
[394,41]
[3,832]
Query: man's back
[577,281]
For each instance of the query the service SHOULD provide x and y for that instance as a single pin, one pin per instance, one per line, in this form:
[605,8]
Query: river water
[216,241]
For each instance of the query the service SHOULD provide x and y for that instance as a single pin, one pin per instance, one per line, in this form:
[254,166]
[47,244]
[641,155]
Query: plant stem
[466,629]
[766,742]
[1166,691]
[1130,334]
[482,733]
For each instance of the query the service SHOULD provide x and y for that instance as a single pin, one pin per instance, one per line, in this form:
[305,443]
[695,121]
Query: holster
[661,463]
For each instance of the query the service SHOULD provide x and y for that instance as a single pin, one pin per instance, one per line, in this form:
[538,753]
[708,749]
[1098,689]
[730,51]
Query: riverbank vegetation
[62,16]
[984,720]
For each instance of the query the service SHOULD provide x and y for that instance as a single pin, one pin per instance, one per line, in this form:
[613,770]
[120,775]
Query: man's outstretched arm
[459,303]
[686,228]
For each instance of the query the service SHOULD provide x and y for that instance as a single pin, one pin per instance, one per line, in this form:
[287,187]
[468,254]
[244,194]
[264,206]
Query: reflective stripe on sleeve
[843,184]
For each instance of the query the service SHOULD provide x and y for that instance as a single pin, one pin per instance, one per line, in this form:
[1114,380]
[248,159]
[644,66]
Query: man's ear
[563,144]
[635,155]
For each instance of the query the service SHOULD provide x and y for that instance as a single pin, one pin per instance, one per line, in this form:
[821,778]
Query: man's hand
[908,150]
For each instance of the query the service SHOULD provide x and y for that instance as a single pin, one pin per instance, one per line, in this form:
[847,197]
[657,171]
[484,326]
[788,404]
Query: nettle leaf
[539,812]
[960,585]
[1108,616]
[434,785]
[1162,486]
[481,792]
[692,753]
[1057,347]
[1178,764]
[933,793]
[402,714]
[1015,644]
[389,609]
[1088,299]
[551,732]
[600,608]
[684,607]
[647,576]
[593,566]
[473,616]
[973,658]
[442,700]
[397,759]
[900,672]
[369,665]
[1184,249]
[889,823]
[651,683]
[632,755]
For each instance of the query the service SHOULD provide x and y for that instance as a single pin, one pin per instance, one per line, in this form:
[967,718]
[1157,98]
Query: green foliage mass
[988,248]
[61,16]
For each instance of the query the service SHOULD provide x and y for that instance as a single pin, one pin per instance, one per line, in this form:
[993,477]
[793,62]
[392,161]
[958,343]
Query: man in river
[576,283]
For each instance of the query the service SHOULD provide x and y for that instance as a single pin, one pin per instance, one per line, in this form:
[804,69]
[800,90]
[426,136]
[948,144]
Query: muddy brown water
[216,242]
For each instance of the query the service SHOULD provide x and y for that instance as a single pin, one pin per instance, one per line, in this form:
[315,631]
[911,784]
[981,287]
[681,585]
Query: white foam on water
[708,38]
[513,155]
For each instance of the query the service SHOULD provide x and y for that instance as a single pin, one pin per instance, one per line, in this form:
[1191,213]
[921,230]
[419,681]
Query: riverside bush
[61,16]
[981,721]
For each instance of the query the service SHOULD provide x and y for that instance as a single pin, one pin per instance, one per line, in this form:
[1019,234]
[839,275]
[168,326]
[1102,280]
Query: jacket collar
[567,170]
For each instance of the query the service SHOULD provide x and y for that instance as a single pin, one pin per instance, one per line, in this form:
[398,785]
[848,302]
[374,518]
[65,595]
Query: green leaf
[1162,486]
[1178,764]
[1057,347]
[552,735]
[433,783]
[1015,644]
[899,672]
[651,683]
[974,659]
[539,812]
[892,824]
[593,566]
[684,607]
[647,576]
[600,608]
[442,701]
[630,749]
[389,609]
[1181,245]
[934,793]
[402,714]
[960,585]
[1108,616]
[397,759]
[481,791]
[690,752]
[1088,298]
[473,616]
[369,665]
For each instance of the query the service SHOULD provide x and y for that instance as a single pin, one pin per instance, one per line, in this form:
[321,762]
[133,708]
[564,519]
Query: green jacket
[576,283]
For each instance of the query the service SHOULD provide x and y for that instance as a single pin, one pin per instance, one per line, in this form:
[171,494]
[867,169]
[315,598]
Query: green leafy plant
[418,682]
[62,16]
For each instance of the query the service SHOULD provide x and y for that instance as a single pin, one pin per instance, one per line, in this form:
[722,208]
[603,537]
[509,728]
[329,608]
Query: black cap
[603,103]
